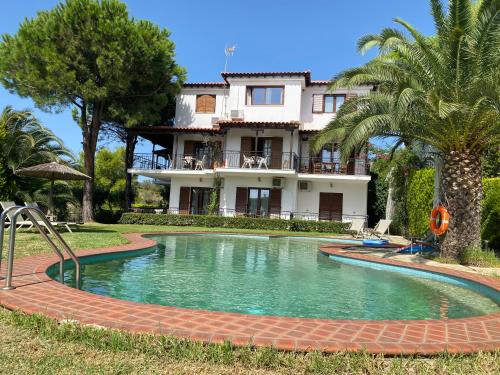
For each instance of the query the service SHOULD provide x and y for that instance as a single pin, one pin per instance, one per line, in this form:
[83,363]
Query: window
[205,103]
[258,202]
[327,103]
[272,95]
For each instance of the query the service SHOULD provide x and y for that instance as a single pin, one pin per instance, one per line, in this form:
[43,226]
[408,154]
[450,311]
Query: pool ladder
[28,212]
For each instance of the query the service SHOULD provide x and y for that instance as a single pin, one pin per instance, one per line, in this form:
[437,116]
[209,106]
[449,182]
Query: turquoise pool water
[277,276]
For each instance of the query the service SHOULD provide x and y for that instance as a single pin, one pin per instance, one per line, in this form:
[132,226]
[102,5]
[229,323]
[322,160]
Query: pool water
[275,276]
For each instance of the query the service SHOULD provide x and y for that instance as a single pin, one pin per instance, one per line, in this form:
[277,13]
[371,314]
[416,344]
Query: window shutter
[275,202]
[350,96]
[276,152]
[241,200]
[188,147]
[245,148]
[205,103]
[184,198]
[318,103]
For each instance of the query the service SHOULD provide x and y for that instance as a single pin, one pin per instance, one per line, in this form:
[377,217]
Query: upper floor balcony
[249,162]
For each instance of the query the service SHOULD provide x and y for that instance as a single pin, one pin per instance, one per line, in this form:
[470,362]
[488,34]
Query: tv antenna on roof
[228,51]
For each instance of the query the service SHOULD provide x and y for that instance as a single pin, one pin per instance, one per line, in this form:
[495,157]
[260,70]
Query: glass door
[258,202]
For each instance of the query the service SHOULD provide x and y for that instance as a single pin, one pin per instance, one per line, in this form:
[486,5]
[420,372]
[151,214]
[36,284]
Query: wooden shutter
[245,148]
[330,206]
[188,147]
[205,103]
[350,96]
[241,200]
[317,106]
[275,202]
[184,198]
[276,152]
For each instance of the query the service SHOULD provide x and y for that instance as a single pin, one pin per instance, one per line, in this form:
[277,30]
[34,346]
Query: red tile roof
[204,84]
[306,74]
[260,124]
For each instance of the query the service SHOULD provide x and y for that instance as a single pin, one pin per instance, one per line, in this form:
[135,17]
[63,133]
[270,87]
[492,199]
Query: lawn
[38,345]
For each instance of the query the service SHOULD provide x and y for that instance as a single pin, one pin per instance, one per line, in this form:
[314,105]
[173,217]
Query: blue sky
[270,35]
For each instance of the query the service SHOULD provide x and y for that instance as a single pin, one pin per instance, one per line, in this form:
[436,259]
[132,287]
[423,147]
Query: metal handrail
[28,211]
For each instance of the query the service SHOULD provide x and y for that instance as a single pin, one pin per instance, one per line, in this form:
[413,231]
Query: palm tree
[26,142]
[442,91]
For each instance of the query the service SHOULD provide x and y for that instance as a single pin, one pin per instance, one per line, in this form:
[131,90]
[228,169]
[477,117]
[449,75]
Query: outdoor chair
[55,223]
[21,221]
[357,227]
[200,163]
[262,162]
[380,229]
[248,162]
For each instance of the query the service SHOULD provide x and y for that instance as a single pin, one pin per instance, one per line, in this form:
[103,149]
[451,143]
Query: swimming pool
[281,276]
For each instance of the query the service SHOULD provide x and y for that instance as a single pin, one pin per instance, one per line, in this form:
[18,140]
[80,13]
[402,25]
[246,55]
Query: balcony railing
[252,160]
[259,160]
[318,165]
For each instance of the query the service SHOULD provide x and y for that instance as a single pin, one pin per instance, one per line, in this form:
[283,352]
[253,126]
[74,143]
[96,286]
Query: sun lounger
[55,223]
[21,222]
[357,227]
[380,229]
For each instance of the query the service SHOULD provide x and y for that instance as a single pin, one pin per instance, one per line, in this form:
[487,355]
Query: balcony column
[153,157]
[131,141]
[290,158]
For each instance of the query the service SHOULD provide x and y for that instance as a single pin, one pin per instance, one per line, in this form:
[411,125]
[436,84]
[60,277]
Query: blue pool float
[375,243]
[416,248]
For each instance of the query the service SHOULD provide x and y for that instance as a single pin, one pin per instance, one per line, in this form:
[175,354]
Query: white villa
[247,137]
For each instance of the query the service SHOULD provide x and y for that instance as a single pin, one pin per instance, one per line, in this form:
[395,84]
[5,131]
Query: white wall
[317,121]
[177,182]
[185,108]
[289,111]
[354,196]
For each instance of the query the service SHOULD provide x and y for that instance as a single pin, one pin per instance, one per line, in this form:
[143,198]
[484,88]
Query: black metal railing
[272,213]
[318,165]
[259,160]
[150,161]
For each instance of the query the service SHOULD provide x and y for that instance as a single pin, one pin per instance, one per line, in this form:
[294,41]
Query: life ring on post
[439,220]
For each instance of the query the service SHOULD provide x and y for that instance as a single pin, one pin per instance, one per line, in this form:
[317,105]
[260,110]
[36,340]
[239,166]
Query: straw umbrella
[52,171]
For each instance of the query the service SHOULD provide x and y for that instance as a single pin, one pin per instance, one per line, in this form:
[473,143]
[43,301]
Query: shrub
[234,222]
[475,256]
[107,216]
[490,220]
[419,200]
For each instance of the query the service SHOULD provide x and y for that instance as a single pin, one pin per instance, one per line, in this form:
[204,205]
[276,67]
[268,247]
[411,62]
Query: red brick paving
[37,293]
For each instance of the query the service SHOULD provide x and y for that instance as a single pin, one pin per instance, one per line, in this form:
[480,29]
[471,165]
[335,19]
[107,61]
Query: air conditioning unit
[305,185]
[278,182]
[215,120]
[237,115]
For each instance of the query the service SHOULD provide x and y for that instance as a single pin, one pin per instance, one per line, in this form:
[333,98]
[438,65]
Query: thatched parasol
[52,171]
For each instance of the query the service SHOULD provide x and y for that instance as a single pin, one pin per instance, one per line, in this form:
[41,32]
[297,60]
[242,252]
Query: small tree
[90,56]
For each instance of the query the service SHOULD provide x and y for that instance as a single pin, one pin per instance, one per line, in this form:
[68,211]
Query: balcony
[253,162]
[321,166]
[259,160]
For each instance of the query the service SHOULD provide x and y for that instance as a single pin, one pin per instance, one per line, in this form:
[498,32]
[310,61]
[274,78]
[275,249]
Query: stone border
[36,292]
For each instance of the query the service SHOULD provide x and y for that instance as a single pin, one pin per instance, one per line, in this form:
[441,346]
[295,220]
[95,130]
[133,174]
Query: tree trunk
[462,194]
[129,159]
[90,136]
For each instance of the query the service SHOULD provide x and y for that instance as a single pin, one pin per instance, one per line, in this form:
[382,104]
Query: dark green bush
[108,216]
[490,223]
[419,198]
[234,222]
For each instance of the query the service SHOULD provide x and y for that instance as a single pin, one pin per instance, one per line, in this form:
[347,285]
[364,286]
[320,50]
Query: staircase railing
[40,222]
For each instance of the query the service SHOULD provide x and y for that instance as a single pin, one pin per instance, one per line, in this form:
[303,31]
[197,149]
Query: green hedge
[419,200]
[234,222]
[490,220]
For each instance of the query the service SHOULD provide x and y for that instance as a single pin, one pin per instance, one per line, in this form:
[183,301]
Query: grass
[475,256]
[38,345]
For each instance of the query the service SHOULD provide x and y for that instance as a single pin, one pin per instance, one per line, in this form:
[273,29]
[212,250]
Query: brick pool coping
[36,292]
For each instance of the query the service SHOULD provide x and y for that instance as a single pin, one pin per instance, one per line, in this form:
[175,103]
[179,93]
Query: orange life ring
[444,218]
